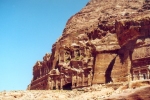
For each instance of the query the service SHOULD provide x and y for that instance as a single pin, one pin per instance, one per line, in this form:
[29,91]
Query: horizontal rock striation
[107,41]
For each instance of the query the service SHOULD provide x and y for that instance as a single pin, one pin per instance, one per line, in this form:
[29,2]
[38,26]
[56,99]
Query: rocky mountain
[108,41]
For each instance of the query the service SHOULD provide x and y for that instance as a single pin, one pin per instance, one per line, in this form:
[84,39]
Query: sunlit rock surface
[108,41]
[137,90]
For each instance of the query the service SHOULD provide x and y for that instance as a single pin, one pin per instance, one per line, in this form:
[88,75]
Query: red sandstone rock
[107,41]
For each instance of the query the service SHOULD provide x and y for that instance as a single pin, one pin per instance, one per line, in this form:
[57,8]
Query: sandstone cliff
[107,41]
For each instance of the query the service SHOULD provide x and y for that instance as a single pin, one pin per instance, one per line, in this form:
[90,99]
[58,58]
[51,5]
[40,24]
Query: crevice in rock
[109,70]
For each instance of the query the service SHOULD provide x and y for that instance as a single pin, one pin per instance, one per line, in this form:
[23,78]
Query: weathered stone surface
[107,41]
[137,90]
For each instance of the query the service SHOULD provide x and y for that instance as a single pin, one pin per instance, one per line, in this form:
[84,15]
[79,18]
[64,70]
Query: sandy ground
[95,92]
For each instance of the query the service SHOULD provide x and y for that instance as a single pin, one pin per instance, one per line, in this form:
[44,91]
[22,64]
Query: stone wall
[107,41]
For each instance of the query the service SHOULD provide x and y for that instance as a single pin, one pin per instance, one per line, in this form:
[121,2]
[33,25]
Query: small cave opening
[54,88]
[67,86]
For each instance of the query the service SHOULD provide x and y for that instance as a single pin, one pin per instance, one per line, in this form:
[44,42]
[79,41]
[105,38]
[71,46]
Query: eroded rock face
[107,41]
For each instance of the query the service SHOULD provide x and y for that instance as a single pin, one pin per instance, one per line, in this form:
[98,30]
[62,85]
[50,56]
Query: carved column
[140,75]
[83,79]
[77,80]
[49,85]
[61,82]
[133,75]
[52,84]
[56,84]
[148,71]
[148,74]
[137,77]
[88,79]
[73,80]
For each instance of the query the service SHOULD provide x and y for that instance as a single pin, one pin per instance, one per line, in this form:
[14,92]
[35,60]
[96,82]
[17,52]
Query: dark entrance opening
[54,88]
[67,86]
[144,76]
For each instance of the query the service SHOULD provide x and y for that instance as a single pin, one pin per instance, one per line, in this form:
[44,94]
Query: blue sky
[28,28]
